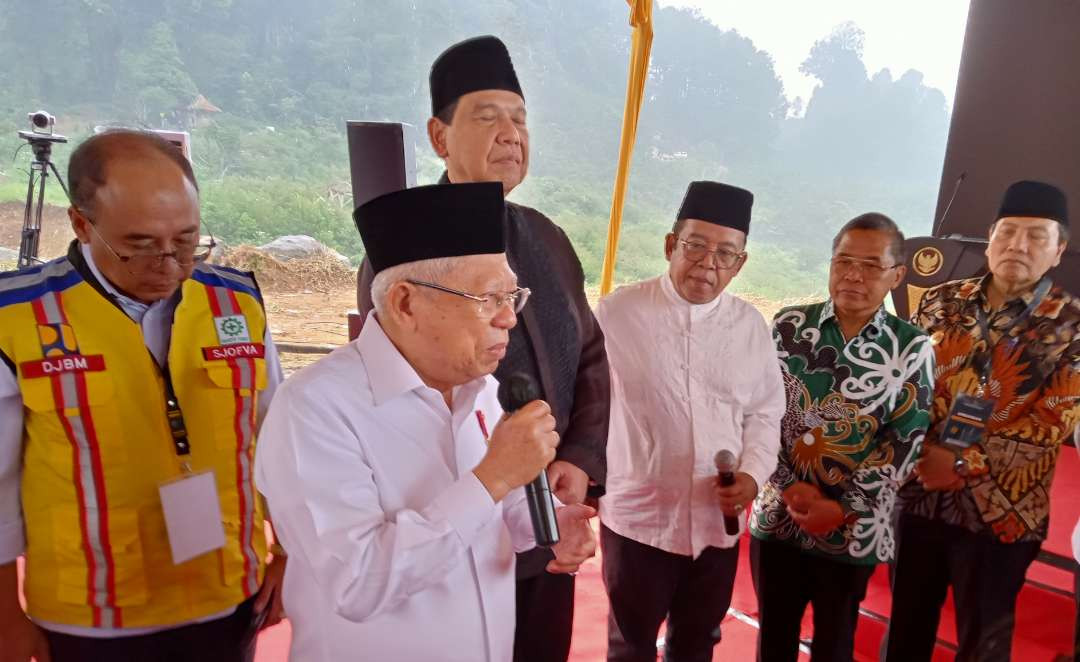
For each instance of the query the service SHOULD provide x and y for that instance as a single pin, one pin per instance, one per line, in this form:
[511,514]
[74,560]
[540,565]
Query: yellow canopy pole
[641,21]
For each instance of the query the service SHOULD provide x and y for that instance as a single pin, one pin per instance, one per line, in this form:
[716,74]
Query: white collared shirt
[686,381]
[396,550]
[155,320]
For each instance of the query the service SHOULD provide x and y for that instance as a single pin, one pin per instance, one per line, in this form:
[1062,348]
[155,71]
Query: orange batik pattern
[1035,385]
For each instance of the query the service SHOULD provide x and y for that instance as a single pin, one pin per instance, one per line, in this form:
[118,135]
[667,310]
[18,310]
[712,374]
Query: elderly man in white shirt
[694,372]
[401,514]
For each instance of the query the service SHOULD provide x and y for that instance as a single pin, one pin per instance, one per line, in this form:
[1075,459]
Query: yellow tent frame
[641,21]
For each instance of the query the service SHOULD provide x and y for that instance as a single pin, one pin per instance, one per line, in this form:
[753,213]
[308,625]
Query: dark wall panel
[1017,108]
[1016,114]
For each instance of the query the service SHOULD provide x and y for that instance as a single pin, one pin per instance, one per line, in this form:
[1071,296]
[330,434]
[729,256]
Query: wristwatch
[961,467]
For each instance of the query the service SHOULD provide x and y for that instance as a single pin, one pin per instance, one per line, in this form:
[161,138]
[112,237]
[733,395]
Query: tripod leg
[40,208]
[26,250]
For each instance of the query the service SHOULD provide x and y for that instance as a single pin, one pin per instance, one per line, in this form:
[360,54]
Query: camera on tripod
[41,138]
[41,123]
[41,120]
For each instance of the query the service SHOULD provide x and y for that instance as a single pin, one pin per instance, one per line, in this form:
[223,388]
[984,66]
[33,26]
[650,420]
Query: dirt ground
[307,302]
[308,318]
[55,229]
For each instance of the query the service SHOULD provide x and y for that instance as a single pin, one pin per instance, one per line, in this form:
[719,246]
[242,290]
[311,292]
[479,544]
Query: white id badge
[192,516]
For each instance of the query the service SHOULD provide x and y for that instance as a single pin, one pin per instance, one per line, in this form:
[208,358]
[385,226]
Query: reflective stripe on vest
[223,302]
[69,392]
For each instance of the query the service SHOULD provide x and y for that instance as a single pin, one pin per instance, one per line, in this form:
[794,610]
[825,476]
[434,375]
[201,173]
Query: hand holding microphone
[735,490]
[521,445]
[520,449]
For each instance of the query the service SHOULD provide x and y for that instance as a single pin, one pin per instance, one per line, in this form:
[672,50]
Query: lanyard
[177,428]
[981,362]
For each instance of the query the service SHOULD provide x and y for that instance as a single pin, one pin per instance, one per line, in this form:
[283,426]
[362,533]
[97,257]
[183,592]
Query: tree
[858,124]
[153,80]
[708,86]
[288,75]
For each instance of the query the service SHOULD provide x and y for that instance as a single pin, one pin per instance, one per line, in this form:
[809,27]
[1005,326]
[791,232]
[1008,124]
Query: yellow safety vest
[97,444]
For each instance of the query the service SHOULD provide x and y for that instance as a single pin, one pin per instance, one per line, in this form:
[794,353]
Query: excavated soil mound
[319,273]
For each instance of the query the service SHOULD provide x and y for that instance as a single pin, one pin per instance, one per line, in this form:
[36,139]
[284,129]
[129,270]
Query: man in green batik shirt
[858,383]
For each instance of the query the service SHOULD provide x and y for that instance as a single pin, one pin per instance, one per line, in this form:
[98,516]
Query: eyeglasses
[186,255]
[867,268]
[696,251]
[489,303]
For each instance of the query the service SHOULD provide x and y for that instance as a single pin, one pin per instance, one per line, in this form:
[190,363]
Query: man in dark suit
[478,127]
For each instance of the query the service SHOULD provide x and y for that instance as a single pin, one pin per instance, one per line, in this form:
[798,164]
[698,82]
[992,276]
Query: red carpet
[1044,618]
[1044,627]
[590,621]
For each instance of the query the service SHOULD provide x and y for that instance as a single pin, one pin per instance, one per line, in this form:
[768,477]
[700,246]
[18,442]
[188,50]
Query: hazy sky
[926,35]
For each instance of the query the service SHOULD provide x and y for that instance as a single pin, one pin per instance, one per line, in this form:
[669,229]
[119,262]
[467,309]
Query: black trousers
[646,585]
[787,580]
[986,576]
[545,618]
[228,639]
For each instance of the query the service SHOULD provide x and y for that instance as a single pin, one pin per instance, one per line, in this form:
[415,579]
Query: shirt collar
[88,256]
[696,309]
[984,283]
[876,322]
[134,309]
[389,373]
[980,291]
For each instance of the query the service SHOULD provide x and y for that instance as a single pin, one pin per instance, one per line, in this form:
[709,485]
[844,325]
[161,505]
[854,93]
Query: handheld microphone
[514,393]
[725,468]
[948,206]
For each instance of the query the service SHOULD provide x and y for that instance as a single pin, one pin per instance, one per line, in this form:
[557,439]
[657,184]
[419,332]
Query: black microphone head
[517,391]
[962,176]
[724,461]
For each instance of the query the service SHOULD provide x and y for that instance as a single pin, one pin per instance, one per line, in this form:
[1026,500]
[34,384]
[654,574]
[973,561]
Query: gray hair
[432,271]
[878,223]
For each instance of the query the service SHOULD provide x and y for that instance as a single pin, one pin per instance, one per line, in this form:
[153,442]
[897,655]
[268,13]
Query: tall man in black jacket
[479,130]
